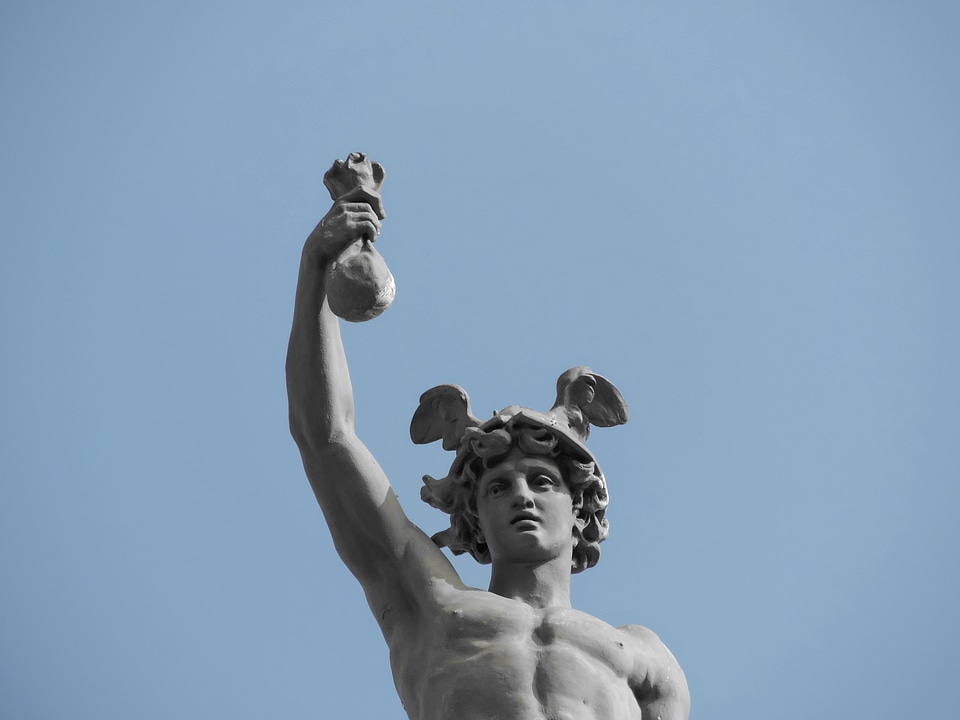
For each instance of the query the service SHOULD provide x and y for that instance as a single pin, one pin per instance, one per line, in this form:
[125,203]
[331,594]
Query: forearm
[318,380]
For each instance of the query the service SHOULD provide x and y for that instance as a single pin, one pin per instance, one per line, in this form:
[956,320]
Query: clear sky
[744,214]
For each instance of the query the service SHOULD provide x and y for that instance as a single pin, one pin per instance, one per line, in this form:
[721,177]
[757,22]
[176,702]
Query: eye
[495,489]
[544,481]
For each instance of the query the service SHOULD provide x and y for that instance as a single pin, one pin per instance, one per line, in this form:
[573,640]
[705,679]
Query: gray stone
[360,286]
[524,493]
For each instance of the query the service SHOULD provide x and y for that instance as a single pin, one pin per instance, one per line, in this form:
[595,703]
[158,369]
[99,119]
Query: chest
[480,622]
[484,656]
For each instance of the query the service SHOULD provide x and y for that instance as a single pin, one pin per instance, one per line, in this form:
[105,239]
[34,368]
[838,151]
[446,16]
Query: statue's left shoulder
[657,679]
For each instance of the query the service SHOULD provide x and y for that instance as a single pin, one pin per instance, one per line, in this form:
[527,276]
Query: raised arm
[318,380]
[381,547]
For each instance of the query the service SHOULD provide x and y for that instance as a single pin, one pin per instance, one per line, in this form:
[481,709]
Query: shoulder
[649,648]
[644,640]
[640,634]
[657,676]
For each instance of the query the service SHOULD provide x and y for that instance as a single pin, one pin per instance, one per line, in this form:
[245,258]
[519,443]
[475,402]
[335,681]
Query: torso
[482,656]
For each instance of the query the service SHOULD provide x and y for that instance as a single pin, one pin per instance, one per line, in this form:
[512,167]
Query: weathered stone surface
[360,285]
[524,493]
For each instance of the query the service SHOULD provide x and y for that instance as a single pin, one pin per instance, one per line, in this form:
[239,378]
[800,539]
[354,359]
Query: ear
[481,538]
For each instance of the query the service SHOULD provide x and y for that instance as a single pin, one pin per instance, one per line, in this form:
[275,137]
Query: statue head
[559,434]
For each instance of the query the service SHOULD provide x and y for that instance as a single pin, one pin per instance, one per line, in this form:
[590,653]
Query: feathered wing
[585,397]
[607,408]
[444,413]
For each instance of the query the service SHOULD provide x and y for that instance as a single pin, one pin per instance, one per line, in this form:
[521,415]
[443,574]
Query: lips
[525,517]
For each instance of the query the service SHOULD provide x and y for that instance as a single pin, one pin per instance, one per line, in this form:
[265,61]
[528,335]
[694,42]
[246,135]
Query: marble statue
[524,493]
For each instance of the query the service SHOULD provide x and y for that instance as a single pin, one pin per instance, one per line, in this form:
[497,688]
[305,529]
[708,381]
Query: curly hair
[456,494]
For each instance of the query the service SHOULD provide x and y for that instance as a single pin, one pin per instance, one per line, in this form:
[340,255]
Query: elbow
[315,421]
[298,432]
[317,437]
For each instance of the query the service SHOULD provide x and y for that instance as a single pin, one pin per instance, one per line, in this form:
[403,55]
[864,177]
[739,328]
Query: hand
[354,215]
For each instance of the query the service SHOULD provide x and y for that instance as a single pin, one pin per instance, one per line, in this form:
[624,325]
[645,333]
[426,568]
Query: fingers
[345,223]
[347,216]
[362,195]
[350,218]
[360,219]
[366,229]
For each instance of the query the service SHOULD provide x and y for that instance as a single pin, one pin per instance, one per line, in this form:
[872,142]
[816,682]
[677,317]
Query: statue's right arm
[393,560]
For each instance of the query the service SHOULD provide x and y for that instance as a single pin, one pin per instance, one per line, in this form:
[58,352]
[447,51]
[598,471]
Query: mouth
[525,521]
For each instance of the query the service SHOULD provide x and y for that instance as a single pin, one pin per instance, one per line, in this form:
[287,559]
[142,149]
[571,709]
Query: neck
[538,585]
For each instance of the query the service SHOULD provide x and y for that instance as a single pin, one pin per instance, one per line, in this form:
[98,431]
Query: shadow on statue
[524,493]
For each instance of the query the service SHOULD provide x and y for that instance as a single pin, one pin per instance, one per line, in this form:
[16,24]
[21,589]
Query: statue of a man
[524,493]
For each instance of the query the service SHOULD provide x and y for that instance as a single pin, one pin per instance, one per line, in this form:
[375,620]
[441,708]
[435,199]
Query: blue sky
[744,215]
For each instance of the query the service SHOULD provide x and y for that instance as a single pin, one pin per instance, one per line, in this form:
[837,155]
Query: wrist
[319,247]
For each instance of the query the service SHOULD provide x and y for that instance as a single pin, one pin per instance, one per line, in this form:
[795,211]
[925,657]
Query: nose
[522,494]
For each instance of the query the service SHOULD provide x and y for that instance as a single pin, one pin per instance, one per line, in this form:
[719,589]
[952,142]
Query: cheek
[485,517]
[481,518]
[562,511]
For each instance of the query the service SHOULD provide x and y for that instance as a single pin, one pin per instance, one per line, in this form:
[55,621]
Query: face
[525,510]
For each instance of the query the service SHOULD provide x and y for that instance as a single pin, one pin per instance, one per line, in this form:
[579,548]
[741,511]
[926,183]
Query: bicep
[387,553]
